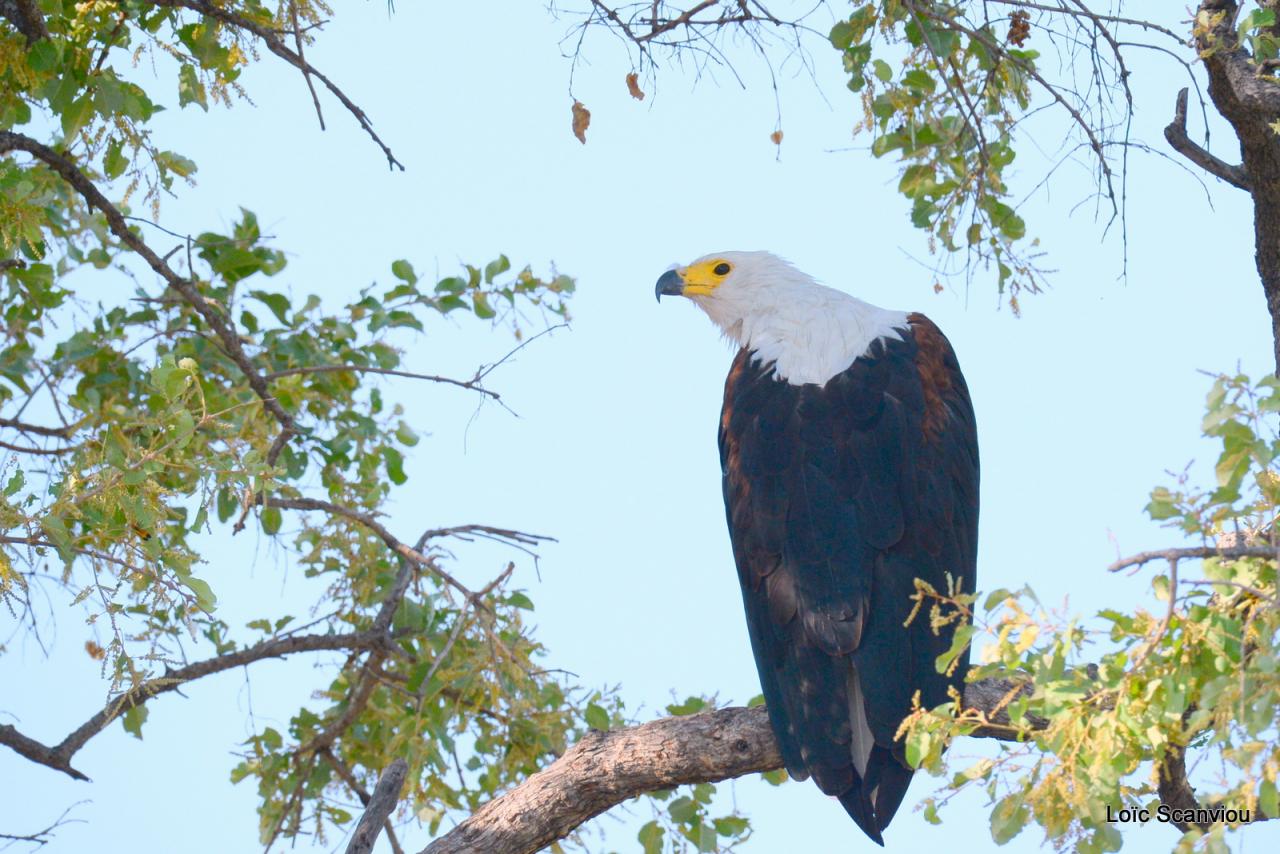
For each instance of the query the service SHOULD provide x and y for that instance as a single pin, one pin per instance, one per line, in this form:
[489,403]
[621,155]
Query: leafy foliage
[948,113]
[211,398]
[1110,701]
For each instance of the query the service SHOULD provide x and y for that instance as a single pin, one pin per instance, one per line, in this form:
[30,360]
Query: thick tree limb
[607,768]
[26,17]
[1176,134]
[1248,97]
[1175,790]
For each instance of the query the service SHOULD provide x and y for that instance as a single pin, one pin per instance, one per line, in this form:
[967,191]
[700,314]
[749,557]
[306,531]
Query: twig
[471,384]
[1176,133]
[41,837]
[368,521]
[280,49]
[306,69]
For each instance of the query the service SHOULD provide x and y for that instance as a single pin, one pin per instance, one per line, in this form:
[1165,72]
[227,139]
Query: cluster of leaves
[1107,701]
[948,112]
[162,440]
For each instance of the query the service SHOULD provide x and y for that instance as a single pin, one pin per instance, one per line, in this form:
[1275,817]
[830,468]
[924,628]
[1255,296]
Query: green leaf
[1008,818]
[482,308]
[651,836]
[691,705]
[995,598]
[204,593]
[776,777]
[133,719]
[405,435]
[227,504]
[1267,799]
[496,268]
[113,161]
[43,55]
[395,465]
[403,271]
[516,599]
[278,303]
[882,70]
[841,35]
[731,825]
[76,116]
[596,717]
[271,520]
[190,89]
[683,810]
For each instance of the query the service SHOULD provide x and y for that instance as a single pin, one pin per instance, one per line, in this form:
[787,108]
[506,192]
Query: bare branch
[59,757]
[471,384]
[1174,555]
[41,837]
[354,785]
[1176,134]
[24,427]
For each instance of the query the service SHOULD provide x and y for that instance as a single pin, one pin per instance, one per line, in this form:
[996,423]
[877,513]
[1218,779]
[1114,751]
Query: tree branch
[471,384]
[378,807]
[24,427]
[294,58]
[1176,134]
[1175,555]
[606,768]
[1175,790]
[231,342]
[59,756]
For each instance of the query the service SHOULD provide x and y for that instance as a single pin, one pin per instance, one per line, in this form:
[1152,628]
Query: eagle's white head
[760,301]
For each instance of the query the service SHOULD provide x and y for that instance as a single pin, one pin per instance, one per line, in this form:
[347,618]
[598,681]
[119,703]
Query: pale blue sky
[1082,403]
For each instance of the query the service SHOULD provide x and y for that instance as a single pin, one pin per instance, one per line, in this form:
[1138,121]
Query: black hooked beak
[670,283]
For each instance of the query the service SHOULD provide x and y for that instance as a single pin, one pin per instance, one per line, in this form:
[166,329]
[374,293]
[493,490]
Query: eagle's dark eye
[722,269]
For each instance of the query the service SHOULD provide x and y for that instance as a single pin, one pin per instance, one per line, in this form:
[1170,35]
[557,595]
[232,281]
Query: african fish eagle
[850,468]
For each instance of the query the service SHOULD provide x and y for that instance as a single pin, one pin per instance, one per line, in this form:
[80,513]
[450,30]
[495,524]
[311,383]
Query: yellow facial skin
[704,277]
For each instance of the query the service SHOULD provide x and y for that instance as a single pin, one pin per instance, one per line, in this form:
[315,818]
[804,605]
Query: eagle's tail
[872,801]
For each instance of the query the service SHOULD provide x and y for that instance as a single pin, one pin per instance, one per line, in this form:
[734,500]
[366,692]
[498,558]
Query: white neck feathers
[808,331]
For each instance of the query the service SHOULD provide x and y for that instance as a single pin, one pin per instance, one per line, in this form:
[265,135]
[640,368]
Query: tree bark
[1250,100]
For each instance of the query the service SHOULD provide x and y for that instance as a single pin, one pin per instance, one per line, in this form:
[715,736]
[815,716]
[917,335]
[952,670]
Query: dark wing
[837,498]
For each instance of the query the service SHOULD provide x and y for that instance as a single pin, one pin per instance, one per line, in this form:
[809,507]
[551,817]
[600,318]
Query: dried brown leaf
[581,121]
[776,137]
[633,86]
